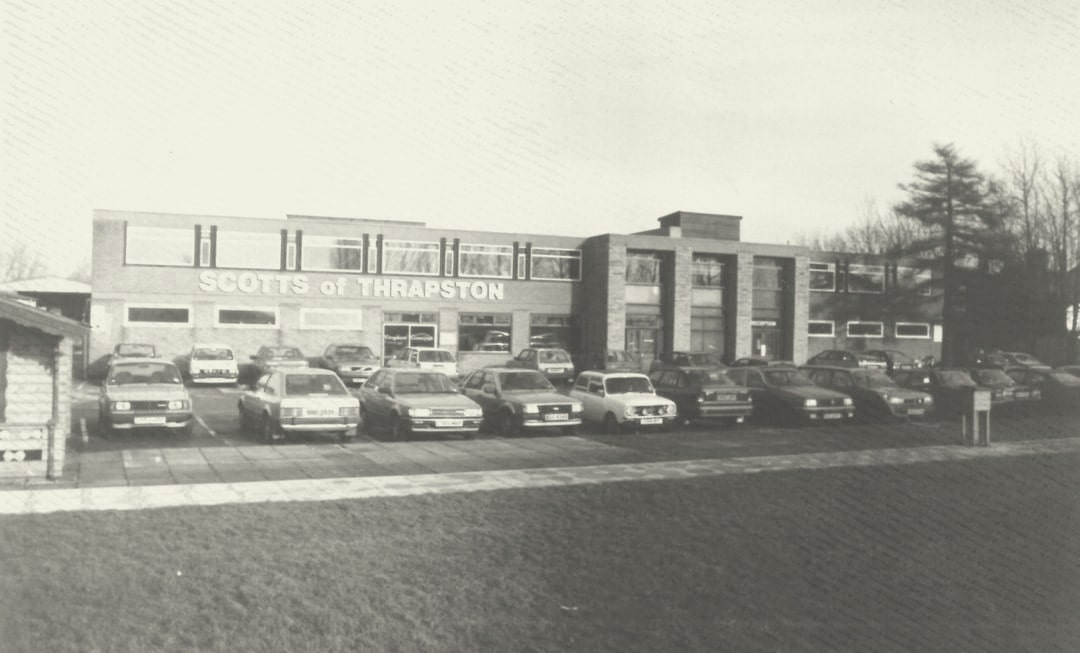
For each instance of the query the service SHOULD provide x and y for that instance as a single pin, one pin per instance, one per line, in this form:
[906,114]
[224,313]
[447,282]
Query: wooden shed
[35,388]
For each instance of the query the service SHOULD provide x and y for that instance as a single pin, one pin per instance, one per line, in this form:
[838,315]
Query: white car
[426,358]
[212,363]
[621,400]
[298,400]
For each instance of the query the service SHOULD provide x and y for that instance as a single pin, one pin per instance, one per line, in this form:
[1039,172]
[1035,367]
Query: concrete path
[135,497]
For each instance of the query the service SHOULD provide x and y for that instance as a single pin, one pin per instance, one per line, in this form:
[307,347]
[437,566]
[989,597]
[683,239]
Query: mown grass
[976,556]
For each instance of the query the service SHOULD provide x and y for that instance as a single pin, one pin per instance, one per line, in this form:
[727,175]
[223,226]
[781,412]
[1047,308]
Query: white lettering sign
[276,283]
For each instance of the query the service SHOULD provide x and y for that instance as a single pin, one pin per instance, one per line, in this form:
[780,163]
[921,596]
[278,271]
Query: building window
[707,330]
[249,250]
[823,277]
[912,330]
[914,280]
[769,274]
[552,331]
[556,264]
[707,271]
[642,268]
[410,257]
[494,261]
[448,262]
[159,246]
[247,317]
[329,254]
[168,315]
[484,332]
[865,329]
[821,328]
[866,278]
[327,319]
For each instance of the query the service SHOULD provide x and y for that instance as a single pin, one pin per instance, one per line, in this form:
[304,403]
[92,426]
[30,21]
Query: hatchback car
[787,395]
[297,400]
[144,393]
[692,359]
[426,358]
[1004,390]
[275,357]
[407,401]
[516,400]
[212,363]
[876,396]
[555,364]
[620,400]
[893,359]
[351,362]
[951,388]
[703,393]
[842,358]
[1060,390]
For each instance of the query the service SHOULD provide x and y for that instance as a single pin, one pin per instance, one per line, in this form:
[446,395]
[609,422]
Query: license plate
[652,420]
[1022,395]
[725,397]
[448,423]
[555,417]
[916,411]
[320,412]
[150,419]
[555,370]
[833,415]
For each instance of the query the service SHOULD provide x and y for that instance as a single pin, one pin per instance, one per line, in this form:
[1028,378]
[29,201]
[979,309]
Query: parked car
[275,357]
[426,358]
[842,358]
[1070,369]
[555,364]
[407,401]
[692,359]
[516,400]
[620,400]
[760,361]
[786,394]
[703,393]
[134,350]
[876,396]
[296,400]
[610,360]
[144,393]
[353,363]
[893,359]
[1020,359]
[951,388]
[212,363]
[1060,390]
[1005,390]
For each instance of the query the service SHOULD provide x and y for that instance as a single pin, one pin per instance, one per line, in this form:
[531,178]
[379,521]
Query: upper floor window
[486,261]
[866,278]
[410,257]
[642,268]
[556,264]
[333,254]
[707,271]
[914,280]
[768,275]
[159,246]
[823,277]
[256,250]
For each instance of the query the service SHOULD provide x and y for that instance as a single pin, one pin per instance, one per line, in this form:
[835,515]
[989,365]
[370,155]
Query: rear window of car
[213,354]
[132,373]
[992,376]
[310,385]
[135,350]
[553,356]
[708,377]
[956,377]
[283,352]
[436,356]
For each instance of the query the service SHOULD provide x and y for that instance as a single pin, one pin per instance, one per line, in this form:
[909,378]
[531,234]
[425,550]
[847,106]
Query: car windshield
[213,354]
[708,377]
[142,373]
[422,383]
[436,356]
[353,352]
[134,350]
[620,385]
[313,385]
[524,382]
[955,377]
[872,379]
[992,377]
[786,377]
[553,356]
[283,353]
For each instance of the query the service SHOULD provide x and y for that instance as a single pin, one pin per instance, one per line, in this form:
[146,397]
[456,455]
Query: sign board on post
[975,424]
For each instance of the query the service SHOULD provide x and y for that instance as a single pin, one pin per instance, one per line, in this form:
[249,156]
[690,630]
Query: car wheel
[611,424]
[399,428]
[508,424]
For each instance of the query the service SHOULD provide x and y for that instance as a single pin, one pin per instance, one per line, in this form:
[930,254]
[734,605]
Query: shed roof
[57,285]
[11,308]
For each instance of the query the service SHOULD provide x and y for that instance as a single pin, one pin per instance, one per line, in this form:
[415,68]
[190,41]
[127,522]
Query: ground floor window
[644,333]
[157,315]
[912,330]
[707,329]
[249,317]
[343,319]
[865,329]
[402,330]
[484,332]
[552,331]
[821,328]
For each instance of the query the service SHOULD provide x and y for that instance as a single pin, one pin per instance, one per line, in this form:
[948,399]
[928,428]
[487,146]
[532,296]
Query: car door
[764,401]
[377,403]
[481,389]
[251,400]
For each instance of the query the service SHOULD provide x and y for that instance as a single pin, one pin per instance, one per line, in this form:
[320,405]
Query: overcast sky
[526,116]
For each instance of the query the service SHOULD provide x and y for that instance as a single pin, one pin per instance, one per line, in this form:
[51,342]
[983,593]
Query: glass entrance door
[642,344]
[767,339]
[398,336]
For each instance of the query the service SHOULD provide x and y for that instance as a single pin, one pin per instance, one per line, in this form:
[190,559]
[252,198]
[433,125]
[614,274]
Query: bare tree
[1023,171]
[19,262]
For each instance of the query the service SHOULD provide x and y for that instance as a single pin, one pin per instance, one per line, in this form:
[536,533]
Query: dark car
[144,393]
[951,388]
[516,400]
[351,362]
[411,400]
[893,359]
[1005,390]
[703,393]
[1020,359]
[1070,369]
[786,394]
[273,357]
[692,359]
[759,361]
[875,394]
[842,358]
[1060,390]
[553,363]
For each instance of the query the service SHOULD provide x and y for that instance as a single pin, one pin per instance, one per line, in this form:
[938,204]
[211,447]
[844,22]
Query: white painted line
[200,420]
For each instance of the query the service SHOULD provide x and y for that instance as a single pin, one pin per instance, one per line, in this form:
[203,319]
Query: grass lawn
[968,556]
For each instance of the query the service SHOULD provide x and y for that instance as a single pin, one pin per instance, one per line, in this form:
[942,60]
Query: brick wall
[744,297]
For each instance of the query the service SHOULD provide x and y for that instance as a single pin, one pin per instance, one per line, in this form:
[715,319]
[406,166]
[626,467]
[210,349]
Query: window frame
[657,265]
[223,236]
[306,311]
[396,246]
[822,267]
[189,243]
[552,253]
[832,329]
[880,334]
[464,249]
[229,325]
[925,289]
[855,268]
[929,330]
[707,260]
[313,241]
[157,325]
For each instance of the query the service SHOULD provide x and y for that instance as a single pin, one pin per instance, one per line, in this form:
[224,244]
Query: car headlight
[810,403]
[420,412]
[291,411]
[473,412]
[847,401]
[121,405]
[894,400]
[178,404]
[349,411]
[669,409]
[628,411]
[577,407]
[530,408]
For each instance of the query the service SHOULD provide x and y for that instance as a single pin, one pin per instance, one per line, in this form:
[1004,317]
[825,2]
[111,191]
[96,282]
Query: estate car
[426,358]
[703,393]
[622,400]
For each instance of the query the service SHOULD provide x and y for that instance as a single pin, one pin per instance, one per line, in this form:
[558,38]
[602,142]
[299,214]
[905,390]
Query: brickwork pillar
[800,313]
[616,295]
[744,305]
[682,297]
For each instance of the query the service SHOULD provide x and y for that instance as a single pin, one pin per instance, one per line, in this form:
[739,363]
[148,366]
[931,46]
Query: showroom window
[914,280]
[251,250]
[492,261]
[707,329]
[821,328]
[556,264]
[159,246]
[410,257]
[865,329]
[484,332]
[327,319]
[552,331]
[167,315]
[247,317]
[823,277]
[912,330]
[866,278]
[642,268]
[707,271]
[331,254]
